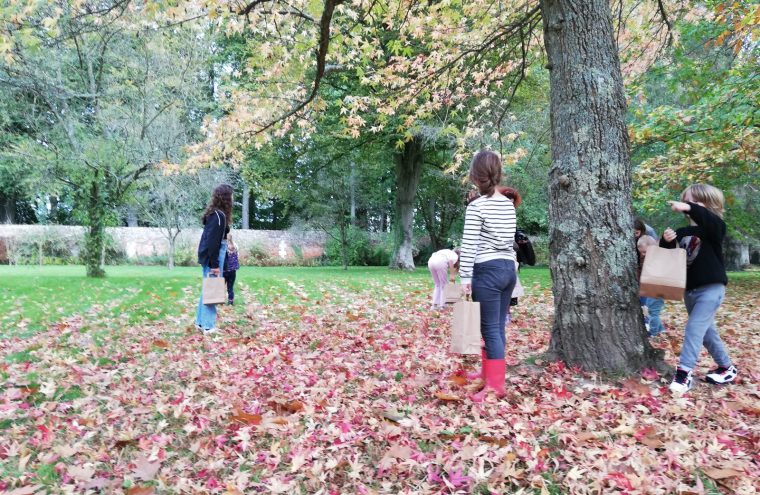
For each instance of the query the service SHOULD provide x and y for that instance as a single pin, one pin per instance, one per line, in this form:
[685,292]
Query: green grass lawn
[32,297]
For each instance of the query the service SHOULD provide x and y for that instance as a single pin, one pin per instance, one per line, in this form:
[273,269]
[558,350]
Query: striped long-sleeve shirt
[489,232]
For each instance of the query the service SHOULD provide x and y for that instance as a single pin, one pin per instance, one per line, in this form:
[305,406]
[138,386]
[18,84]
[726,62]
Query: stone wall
[136,242]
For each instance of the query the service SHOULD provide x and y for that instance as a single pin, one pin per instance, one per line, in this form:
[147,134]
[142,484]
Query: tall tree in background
[111,100]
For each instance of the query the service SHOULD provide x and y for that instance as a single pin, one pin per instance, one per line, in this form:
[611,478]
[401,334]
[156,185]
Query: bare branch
[321,56]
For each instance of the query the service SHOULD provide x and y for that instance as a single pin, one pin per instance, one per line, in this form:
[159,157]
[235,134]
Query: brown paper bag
[663,274]
[452,292]
[465,328]
[214,290]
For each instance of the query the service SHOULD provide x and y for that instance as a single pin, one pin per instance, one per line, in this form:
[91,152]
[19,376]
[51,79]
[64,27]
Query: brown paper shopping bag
[214,290]
[452,292]
[663,274]
[465,328]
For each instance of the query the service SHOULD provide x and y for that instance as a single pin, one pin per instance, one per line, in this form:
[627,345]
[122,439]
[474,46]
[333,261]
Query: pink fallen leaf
[145,470]
[81,473]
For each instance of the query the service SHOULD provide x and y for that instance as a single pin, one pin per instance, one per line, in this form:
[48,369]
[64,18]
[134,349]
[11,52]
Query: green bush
[185,255]
[541,248]
[55,251]
[362,250]
[254,255]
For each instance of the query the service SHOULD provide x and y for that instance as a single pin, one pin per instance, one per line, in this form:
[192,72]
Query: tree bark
[352,186]
[172,243]
[409,164]
[9,209]
[53,215]
[131,216]
[598,322]
[736,253]
[246,219]
[94,241]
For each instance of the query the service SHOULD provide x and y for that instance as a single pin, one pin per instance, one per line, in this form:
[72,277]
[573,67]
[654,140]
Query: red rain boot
[482,373]
[495,373]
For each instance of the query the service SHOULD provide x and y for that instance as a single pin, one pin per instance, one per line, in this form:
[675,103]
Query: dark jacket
[704,248]
[214,231]
[524,249]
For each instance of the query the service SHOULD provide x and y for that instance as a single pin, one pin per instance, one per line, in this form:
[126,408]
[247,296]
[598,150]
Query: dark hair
[638,224]
[485,171]
[221,199]
[511,193]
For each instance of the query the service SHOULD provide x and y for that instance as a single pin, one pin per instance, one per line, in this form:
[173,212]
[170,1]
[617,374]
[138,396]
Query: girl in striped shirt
[487,265]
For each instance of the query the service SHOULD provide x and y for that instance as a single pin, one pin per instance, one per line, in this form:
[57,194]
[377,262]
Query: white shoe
[721,375]
[207,331]
[682,382]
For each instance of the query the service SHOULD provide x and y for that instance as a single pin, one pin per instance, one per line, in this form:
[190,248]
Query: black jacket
[214,231]
[524,249]
[704,248]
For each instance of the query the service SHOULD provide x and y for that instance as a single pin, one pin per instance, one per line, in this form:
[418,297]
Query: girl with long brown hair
[487,264]
[212,249]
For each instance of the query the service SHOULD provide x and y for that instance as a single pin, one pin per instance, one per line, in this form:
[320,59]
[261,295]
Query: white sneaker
[721,375]
[682,382]
[208,331]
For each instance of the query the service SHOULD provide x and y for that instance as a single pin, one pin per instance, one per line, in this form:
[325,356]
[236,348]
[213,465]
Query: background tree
[694,118]
[111,100]
[172,203]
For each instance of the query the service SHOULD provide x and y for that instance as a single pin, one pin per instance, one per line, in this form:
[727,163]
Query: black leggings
[229,277]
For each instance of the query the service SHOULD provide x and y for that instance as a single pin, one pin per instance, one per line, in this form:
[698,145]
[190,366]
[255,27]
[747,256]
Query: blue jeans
[492,285]
[655,306]
[205,316]
[702,303]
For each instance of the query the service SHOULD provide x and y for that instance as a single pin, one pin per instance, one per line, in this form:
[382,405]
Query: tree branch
[321,55]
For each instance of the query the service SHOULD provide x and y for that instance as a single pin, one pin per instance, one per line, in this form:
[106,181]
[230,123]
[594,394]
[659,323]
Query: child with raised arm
[705,283]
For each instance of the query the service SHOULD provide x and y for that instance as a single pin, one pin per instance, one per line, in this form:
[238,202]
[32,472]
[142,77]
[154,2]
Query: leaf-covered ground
[340,388]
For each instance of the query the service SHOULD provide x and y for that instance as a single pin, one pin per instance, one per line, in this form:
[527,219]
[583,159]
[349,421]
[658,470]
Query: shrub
[541,248]
[53,249]
[362,250]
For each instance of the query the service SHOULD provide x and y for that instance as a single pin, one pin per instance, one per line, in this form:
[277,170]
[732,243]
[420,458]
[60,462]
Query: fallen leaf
[458,380]
[634,385]
[447,397]
[393,416]
[24,490]
[584,436]
[719,474]
[145,470]
[141,490]
[81,473]
[121,444]
[161,344]
[240,416]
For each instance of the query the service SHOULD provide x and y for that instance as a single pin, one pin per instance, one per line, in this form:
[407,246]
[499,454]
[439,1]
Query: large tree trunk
[53,215]
[95,238]
[132,216]
[246,206]
[408,169]
[598,322]
[352,179]
[172,248]
[9,209]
